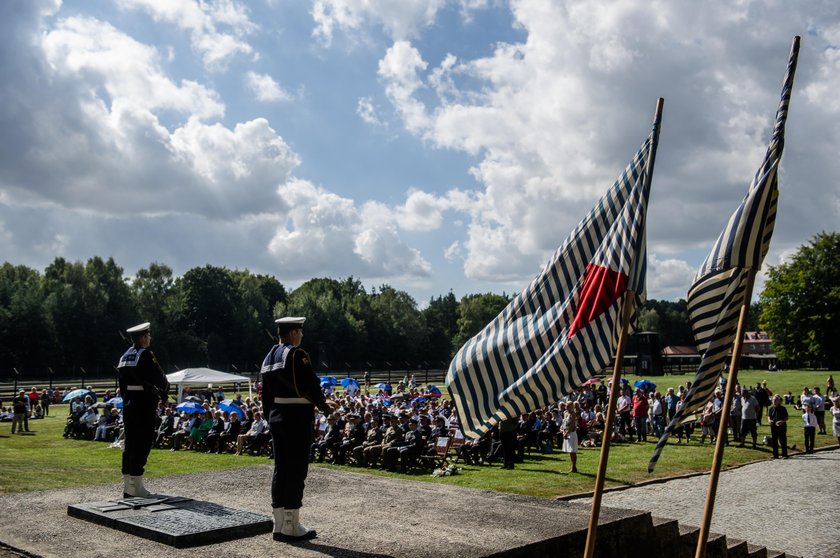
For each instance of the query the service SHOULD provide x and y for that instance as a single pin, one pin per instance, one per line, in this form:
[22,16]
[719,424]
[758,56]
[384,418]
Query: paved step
[736,548]
[667,533]
[756,551]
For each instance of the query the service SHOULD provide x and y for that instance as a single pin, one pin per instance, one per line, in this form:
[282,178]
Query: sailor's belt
[134,388]
[291,400]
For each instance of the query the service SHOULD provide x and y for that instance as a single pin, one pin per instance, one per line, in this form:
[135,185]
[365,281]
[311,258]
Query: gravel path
[784,504]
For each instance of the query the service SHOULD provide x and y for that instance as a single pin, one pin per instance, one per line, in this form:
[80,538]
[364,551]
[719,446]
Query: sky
[434,146]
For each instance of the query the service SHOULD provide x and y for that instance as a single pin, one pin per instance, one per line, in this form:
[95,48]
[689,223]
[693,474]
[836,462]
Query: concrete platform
[173,520]
[356,515]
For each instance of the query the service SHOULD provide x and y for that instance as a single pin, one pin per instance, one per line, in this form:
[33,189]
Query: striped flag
[718,291]
[563,328]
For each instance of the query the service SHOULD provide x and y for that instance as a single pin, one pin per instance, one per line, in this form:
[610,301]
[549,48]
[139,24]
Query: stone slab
[173,520]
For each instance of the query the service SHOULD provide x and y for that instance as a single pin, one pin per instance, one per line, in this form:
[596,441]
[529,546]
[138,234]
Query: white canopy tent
[204,376]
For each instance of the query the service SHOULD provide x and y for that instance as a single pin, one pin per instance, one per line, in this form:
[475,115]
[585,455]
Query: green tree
[335,330]
[398,327]
[801,304]
[475,312]
[441,327]
[24,339]
[207,305]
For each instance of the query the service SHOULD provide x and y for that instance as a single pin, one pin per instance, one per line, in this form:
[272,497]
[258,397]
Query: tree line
[70,317]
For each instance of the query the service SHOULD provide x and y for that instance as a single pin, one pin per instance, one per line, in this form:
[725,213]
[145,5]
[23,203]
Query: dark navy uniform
[290,393]
[142,385]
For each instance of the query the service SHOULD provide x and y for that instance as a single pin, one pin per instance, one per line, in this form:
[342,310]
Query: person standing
[749,417]
[778,417]
[290,393]
[810,424]
[835,413]
[142,385]
[640,414]
[19,409]
[819,409]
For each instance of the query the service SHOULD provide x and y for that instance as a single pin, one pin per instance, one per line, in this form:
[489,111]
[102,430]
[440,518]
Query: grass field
[44,459]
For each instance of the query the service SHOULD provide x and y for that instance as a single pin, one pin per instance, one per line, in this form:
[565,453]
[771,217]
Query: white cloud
[93,106]
[399,70]
[325,231]
[202,19]
[368,112]
[266,89]
[400,20]
[554,119]
[668,278]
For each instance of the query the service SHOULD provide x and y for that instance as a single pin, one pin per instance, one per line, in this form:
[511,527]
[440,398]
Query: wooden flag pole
[626,312]
[629,298]
[717,461]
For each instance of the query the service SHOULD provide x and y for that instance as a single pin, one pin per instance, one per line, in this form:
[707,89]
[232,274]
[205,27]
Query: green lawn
[44,459]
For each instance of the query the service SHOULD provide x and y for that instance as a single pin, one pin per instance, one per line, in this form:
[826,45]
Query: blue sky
[431,145]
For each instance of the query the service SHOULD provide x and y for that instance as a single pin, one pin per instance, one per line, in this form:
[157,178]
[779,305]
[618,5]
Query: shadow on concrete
[338,552]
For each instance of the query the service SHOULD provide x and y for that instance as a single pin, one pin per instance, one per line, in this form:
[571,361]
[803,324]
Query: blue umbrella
[231,407]
[326,383]
[75,393]
[189,407]
[347,381]
[386,387]
[647,385]
[116,402]
[329,379]
[420,400]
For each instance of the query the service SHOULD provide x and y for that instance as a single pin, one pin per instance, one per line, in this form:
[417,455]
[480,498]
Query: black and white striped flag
[563,328]
[718,291]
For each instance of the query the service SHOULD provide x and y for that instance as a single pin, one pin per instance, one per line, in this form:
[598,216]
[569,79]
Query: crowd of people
[375,428]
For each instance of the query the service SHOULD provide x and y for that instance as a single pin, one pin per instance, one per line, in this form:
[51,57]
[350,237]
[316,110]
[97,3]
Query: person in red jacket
[640,414]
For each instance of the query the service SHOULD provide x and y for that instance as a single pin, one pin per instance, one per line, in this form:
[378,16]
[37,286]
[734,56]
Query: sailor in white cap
[290,393]
[142,385]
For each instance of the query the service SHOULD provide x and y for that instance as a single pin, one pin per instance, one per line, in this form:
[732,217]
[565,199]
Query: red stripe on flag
[601,288]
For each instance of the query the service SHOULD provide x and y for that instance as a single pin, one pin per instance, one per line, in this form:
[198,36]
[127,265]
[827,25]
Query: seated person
[199,432]
[229,435]
[354,435]
[373,437]
[105,426]
[220,424]
[88,423]
[185,426]
[166,427]
[392,436]
[255,435]
[404,452]
[332,438]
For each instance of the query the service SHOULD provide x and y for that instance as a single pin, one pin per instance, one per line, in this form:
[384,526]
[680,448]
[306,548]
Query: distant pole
[608,427]
[717,461]
[17,375]
[51,376]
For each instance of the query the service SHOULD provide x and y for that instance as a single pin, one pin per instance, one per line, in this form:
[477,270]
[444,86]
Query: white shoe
[278,521]
[136,488]
[126,486]
[291,529]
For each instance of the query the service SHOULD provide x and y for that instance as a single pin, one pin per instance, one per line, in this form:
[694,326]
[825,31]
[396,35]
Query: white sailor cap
[139,328]
[290,321]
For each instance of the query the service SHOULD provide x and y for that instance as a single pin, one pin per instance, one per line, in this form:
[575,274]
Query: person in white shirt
[258,427]
[809,420]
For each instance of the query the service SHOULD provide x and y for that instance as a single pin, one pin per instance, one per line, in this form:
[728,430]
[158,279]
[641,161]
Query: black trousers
[291,434]
[810,435]
[140,433]
[508,439]
[779,434]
